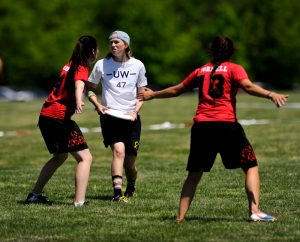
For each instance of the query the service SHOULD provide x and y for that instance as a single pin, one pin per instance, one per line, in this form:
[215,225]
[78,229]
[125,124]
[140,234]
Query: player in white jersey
[122,77]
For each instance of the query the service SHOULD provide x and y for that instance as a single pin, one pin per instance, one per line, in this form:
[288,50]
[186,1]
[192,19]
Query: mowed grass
[218,213]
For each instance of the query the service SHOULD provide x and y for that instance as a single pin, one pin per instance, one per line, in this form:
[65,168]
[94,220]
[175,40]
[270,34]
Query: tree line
[171,37]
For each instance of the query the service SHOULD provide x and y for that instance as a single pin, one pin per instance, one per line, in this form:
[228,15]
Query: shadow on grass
[206,219]
[100,197]
[43,204]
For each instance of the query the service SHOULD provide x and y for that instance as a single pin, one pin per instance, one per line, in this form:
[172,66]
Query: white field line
[163,126]
[265,105]
[269,105]
[168,125]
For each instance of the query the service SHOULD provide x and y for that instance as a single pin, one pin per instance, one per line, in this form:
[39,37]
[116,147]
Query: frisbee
[118,114]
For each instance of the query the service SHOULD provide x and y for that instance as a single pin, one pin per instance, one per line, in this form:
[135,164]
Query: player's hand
[278,99]
[146,94]
[79,108]
[100,109]
[133,115]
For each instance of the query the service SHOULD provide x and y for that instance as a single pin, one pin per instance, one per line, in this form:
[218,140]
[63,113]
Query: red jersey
[219,105]
[61,103]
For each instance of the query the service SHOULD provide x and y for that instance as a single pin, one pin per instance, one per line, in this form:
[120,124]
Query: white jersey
[120,81]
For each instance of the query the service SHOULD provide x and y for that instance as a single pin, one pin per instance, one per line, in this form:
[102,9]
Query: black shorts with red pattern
[226,138]
[61,135]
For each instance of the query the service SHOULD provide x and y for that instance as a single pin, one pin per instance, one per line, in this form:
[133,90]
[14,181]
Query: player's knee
[194,177]
[89,158]
[60,157]
[86,158]
[119,153]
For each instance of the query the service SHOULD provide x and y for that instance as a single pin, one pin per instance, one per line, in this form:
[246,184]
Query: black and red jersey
[61,103]
[217,95]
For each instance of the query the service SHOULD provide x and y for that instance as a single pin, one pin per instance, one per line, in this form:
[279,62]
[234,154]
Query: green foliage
[39,39]
[270,31]
[218,212]
[171,37]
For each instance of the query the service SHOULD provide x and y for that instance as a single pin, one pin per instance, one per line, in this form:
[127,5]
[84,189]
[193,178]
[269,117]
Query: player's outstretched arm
[172,91]
[278,99]
[145,94]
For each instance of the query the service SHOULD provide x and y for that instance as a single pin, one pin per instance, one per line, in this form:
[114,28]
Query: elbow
[179,90]
[248,88]
[176,94]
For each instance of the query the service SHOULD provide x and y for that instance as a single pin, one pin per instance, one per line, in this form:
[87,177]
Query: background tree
[171,37]
[271,35]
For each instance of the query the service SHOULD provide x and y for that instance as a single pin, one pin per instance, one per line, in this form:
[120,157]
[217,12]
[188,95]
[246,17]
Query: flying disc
[118,114]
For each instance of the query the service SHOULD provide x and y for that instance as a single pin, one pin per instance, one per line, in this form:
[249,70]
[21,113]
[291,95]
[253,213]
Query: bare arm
[79,87]
[91,92]
[255,90]
[139,104]
[172,91]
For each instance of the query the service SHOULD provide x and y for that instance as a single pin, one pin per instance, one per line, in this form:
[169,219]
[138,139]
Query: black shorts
[227,138]
[118,130]
[61,136]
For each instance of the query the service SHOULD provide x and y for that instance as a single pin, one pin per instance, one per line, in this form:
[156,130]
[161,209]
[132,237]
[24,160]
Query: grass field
[218,212]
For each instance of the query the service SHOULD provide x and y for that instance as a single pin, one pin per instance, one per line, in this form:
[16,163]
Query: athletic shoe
[120,198]
[79,204]
[129,194]
[260,216]
[37,199]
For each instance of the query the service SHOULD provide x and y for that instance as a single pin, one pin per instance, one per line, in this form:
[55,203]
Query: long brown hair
[222,49]
[83,53]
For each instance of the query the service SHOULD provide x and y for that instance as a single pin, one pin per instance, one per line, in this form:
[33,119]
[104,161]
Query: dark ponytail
[82,54]
[222,49]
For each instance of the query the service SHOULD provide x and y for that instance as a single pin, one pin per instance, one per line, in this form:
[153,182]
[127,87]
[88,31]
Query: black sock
[130,186]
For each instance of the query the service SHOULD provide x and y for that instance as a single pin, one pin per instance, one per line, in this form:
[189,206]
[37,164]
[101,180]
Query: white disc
[118,114]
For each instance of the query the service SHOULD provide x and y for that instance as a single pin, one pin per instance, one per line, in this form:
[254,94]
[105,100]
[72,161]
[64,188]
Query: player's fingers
[280,102]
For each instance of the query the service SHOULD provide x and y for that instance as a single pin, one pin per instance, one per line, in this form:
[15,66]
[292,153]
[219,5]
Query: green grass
[218,212]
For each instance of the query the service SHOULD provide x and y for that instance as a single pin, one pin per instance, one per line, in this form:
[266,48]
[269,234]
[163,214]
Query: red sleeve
[190,81]
[82,74]
[239,73]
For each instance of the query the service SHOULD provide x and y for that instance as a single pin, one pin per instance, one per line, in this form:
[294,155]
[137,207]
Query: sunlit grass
[218,212]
